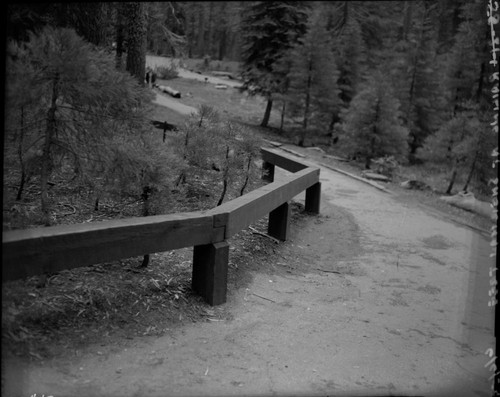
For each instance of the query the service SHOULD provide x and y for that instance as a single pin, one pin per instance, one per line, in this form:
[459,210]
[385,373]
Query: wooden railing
[36,251]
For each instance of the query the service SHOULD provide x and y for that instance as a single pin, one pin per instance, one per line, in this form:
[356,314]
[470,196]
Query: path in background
[173,104]
[153,61]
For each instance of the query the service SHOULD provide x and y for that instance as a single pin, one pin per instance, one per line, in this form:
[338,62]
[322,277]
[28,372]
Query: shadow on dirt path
[372,297]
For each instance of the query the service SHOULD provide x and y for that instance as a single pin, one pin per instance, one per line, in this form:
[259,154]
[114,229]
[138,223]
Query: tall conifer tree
[313,91]
[372,126]
[269,29]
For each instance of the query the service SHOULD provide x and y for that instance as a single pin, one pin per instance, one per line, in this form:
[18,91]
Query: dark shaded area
[164,125]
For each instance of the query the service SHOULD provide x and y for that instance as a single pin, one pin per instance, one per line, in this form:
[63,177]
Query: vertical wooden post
[279,222]
[313,198]
[210,266]
[267,171]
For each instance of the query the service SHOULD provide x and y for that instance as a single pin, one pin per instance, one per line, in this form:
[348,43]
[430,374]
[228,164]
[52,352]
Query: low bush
[167,72]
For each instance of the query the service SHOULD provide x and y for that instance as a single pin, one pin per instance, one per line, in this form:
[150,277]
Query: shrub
[167,72]
[386,165]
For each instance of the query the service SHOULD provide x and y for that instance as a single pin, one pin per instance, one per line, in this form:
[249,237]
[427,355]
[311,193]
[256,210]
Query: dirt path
[173,104]
[155,61]
[374,297]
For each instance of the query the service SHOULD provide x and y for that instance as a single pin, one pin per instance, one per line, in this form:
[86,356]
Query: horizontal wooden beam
[243,211]
[51,249]
[282,160]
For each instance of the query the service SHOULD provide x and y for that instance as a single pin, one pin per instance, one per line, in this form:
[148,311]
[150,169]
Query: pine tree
[467,88]
[372,126]
[165,28]
[81,100]
[348,49]
[313,92]
[269,29]
[457,145]
[422,92]
[136,40]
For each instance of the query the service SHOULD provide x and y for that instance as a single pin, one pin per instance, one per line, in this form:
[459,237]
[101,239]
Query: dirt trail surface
[155,61]
[173,104]
[372,297]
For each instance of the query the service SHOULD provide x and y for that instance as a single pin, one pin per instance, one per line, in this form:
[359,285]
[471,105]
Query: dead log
[229,75]
[170,91]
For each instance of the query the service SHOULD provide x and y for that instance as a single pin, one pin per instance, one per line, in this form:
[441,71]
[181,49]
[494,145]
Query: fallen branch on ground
[262,297]
[255,231]
[328,271]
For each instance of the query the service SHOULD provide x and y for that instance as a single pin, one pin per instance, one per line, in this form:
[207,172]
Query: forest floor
[116,329]
[375,295]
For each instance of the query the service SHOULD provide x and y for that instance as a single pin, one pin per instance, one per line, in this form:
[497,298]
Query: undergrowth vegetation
[73,156]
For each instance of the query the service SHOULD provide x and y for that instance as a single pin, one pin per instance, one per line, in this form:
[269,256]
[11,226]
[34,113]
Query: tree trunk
[190,34]
[335,120]
[225,181]
[94,23]
[346,12]
[368,162]
[306,107]
[452,180]
[267,114]
[49,133]
[120,37]
[408,6]
[136,40]
[182,176]
[471,172]
[222,44]
[282,122]
[21,159]
[223,194]
[146,192]
[308,98]
[247,176]
[210,33]
[482,70]
[22,182]
[201,30]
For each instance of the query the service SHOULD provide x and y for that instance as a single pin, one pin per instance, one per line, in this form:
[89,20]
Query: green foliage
[136,39]
[313,93]
[66,102]
[372,125]
[167,72]
[467,79]
[269,28]
[455,141]
[463,145]
[216,153]
[421,90]
[349,48]
[164,28]
[133,165]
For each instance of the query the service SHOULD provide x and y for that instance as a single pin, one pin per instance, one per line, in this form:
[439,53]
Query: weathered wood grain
[279,222]
[313,198]
[35,251]
[48,250]
[282,160]
[244,210]
[210,267]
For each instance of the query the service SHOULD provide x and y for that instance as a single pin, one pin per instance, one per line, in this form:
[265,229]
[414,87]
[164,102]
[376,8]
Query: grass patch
[230,103]
[199,64]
